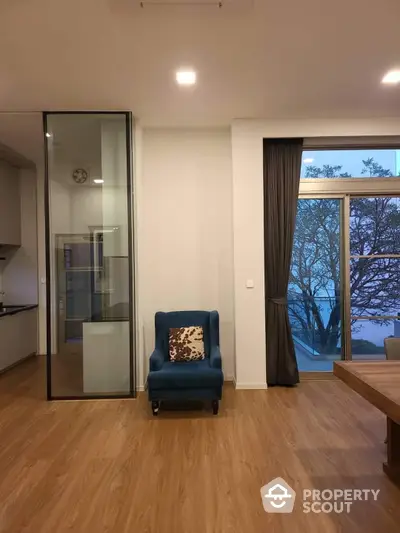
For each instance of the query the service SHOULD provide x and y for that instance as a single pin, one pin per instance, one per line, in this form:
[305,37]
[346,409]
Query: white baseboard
[251,386]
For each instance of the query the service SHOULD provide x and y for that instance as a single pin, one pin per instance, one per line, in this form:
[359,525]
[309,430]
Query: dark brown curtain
[282,162]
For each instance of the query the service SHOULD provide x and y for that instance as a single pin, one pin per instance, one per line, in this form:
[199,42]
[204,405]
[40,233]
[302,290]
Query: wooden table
[379,383]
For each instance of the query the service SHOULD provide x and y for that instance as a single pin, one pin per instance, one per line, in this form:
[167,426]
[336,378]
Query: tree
[372,168]
[315,273]
[327,171]
[315,282]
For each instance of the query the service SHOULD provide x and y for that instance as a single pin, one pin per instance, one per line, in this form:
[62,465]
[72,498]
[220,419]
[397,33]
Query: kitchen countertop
[14,309]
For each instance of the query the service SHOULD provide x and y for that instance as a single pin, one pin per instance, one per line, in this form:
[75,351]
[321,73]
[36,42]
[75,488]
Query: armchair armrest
[215,357]
[156,360]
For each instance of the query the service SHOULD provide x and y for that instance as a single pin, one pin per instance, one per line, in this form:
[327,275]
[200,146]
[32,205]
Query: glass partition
[89,255]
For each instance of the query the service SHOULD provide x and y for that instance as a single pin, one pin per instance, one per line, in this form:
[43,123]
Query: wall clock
[79,175]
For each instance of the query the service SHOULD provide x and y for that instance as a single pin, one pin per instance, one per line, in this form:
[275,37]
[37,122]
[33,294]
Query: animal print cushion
[186,344]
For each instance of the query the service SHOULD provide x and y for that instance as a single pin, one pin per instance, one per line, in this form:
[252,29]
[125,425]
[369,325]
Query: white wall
[185,239]
[75,208]
[60,207]
[172,165]
[247,172]
[86,208]
[114,172]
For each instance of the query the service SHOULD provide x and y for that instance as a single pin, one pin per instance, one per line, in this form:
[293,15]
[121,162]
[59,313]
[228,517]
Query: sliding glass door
[345,272]
[315,295]
[343,296]
[374,274]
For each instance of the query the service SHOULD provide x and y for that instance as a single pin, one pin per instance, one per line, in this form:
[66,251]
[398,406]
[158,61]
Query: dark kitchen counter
[8,310]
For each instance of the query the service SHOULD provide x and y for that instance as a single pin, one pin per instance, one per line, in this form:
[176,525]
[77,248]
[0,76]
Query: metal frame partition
[131,263]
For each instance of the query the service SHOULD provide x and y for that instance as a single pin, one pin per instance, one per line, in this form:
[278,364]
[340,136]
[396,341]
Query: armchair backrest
[209,320]
[392,348]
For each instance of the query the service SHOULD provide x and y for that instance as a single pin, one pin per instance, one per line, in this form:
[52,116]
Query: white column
[248,235]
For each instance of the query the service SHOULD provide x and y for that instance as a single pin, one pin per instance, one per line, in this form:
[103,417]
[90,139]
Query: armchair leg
[215,407]
[155,407]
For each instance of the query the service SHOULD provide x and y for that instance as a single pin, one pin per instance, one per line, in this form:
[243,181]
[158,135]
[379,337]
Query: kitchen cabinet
[18,337]
[10,205]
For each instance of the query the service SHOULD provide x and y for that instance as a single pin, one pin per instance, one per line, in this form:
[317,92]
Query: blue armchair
[195,380]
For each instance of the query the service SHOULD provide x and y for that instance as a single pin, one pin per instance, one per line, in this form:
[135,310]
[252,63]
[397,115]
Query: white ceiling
[254,58]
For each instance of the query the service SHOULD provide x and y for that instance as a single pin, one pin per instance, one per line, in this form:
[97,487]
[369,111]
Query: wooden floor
[109,466]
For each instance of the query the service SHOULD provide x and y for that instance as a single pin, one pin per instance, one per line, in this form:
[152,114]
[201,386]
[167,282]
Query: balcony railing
[316,328]
[309,318]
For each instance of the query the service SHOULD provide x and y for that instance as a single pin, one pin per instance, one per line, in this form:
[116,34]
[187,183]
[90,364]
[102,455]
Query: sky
[351,160]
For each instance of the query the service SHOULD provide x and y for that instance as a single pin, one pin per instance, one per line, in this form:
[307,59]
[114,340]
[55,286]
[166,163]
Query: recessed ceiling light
[98,181]
[48,135]
[393,76]
[308,160]
[185,77]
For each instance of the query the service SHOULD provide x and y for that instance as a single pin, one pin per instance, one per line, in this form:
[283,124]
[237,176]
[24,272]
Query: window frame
[373,186]
[347,188]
